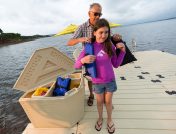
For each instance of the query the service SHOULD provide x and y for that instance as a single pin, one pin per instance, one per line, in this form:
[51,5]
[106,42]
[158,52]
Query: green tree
[1,31]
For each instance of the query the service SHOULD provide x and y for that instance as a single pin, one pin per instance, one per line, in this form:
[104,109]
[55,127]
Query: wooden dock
[141,105]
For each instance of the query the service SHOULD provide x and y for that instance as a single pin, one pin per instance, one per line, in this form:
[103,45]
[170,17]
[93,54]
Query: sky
[29,17]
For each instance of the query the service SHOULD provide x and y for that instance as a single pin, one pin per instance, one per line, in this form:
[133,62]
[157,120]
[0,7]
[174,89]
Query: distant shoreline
[15,42]
[12,38]
[150,21]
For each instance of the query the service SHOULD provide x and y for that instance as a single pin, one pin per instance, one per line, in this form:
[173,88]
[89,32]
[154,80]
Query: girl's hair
[107,44]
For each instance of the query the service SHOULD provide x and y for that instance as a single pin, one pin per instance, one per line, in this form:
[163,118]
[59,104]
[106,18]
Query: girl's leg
[108,102]
[100,101]
[110,124]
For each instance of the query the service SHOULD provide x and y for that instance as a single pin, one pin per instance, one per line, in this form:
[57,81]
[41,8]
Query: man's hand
[117,37]
[84,40]
[121,46]
[88,59]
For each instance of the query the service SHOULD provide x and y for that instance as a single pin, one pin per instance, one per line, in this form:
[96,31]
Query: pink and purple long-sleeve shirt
[104,63]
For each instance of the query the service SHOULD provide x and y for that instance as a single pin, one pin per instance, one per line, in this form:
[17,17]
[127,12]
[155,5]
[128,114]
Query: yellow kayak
[72,27]
[114,25]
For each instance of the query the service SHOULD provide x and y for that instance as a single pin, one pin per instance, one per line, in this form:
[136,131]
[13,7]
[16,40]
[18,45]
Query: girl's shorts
[106,87]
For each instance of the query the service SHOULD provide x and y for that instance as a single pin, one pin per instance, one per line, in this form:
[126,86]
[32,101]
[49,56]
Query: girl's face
[101,34]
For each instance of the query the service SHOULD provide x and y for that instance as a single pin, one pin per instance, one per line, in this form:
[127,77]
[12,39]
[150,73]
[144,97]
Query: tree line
[10,38]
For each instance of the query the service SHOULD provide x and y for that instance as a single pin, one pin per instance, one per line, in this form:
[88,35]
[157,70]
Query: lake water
[149,36]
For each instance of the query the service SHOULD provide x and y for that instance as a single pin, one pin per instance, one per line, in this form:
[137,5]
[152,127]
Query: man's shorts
[107,87]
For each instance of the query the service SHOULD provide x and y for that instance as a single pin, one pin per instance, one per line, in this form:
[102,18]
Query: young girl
[105,58]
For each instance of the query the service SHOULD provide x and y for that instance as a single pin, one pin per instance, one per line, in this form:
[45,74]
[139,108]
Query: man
[84,33]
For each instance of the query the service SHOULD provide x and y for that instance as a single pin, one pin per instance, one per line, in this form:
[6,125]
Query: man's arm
[73,42]
[76,37]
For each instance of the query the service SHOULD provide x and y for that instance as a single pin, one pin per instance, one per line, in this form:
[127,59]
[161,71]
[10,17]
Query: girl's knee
[108,102]
[100,103]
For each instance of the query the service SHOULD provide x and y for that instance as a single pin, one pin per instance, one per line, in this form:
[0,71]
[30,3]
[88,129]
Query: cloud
[50,16]
[133,11]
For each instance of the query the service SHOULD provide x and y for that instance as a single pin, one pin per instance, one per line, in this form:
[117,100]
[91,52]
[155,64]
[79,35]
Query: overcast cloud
[30,17]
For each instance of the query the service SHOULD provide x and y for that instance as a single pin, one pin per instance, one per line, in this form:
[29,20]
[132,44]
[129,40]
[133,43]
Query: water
[149,36]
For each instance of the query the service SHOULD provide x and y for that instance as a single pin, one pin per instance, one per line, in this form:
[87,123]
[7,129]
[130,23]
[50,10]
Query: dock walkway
[141,104]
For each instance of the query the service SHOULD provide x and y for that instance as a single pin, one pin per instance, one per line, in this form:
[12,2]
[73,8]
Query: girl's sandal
[98,125]
[111,128]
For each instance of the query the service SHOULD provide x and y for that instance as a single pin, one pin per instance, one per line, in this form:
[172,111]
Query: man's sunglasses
[97,14]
